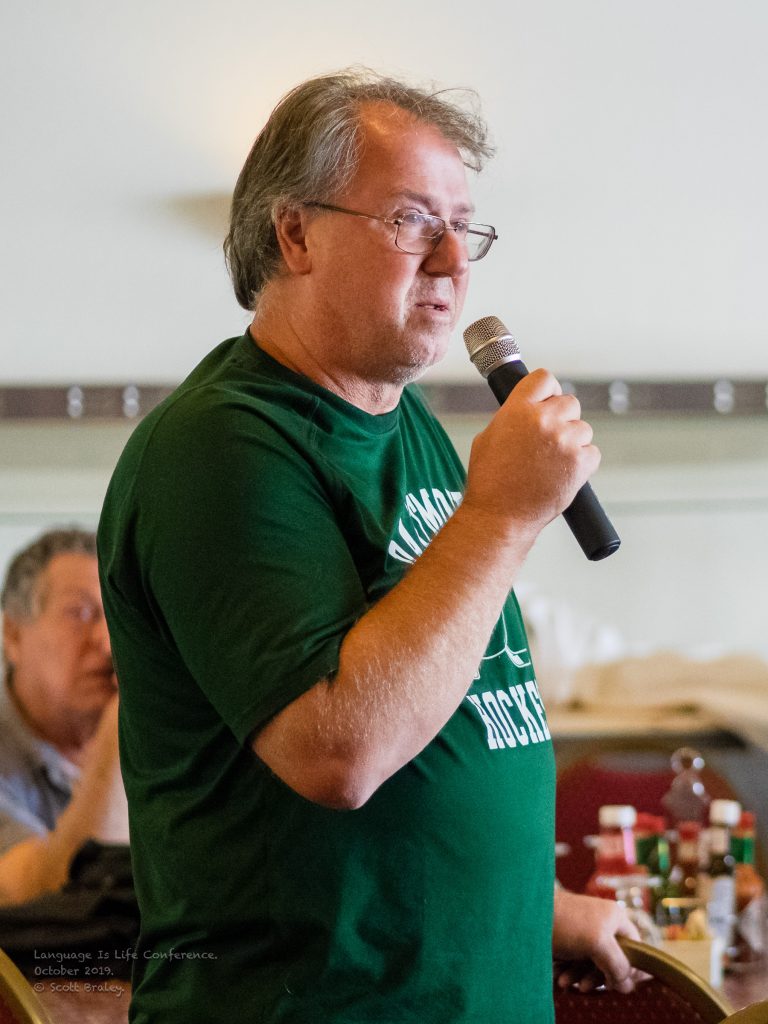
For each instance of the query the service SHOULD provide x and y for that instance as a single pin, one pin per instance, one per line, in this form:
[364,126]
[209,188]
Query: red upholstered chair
[673,995]
[18,1002]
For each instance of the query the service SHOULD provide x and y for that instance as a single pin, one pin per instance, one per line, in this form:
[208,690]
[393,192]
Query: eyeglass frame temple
[490,239]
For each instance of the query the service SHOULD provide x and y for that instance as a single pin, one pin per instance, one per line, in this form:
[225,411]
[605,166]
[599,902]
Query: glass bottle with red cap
[685,873]
[616,867]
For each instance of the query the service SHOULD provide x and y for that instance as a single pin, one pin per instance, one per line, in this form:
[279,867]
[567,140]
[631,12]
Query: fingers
[611,959]
[612,962]
[578,972]
[585,933]
[533,457]
[559,415]
[586,976]
[628,929]
[538,386]
[542,388]
[620,975]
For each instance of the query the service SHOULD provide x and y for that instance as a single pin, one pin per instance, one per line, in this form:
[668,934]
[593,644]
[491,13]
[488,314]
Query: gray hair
[309,150]
[20,596]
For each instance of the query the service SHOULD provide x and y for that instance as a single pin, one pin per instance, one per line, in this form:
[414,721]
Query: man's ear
[290,228]
[11,639]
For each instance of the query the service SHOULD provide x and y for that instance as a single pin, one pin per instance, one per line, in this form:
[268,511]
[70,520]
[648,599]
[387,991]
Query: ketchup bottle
[615,857]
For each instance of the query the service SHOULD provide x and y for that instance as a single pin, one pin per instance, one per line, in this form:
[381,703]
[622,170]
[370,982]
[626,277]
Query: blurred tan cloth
[732,688]
[584,664]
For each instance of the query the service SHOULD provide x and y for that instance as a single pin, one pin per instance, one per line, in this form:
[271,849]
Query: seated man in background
[60,781]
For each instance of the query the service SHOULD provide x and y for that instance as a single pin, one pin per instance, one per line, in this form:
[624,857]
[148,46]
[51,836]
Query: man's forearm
[407,664]
[97,811]
[404,667]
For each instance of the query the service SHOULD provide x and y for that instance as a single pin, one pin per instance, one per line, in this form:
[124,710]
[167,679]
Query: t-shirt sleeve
[247,571]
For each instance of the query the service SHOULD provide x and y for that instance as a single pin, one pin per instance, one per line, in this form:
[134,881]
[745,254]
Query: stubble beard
[413,358]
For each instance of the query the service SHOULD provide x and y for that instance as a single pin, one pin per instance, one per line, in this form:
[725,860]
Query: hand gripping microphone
[494,352]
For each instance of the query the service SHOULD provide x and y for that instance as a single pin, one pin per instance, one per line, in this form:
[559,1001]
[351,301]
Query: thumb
[613,960]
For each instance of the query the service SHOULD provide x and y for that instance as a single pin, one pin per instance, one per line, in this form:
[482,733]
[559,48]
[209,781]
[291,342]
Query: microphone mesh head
[489,342]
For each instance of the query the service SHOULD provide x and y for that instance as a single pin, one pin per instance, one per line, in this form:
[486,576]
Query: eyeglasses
[420,233]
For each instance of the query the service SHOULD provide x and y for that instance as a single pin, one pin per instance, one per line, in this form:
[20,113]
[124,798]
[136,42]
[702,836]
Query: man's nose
[449,257]
[100,634]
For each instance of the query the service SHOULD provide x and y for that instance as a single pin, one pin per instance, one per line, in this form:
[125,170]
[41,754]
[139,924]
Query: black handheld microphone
[494,352]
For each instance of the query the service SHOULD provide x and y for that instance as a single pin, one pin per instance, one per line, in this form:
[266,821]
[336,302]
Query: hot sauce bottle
[717,883]
[749,937]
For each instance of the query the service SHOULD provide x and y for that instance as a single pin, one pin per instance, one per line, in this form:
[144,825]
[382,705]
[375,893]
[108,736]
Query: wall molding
[625,398]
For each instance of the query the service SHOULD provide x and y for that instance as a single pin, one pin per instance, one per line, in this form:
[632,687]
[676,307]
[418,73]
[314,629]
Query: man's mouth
[104,673]
[440,306]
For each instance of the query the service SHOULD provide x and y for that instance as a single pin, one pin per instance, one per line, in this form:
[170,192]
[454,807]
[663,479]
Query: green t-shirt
[251,520]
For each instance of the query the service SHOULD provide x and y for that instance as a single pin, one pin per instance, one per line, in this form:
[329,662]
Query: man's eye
[461,227]
[413,220]
[80,613]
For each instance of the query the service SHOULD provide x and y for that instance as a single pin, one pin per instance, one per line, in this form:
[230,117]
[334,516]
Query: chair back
[18,1002]
[673,995]
[756,1013]
[651,1001]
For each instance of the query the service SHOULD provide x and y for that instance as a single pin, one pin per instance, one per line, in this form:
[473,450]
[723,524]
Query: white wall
[629,188]
[629,193]
[689,499]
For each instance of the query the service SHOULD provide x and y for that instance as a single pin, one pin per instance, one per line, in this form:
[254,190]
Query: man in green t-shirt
[338,766]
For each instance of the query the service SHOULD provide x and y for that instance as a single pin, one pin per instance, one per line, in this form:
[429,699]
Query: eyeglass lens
[417,233]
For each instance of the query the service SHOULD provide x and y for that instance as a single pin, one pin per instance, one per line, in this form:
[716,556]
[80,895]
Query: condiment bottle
[749,939]
[687,798]
[717,885]
[615,857]
[652,848]
[685,873]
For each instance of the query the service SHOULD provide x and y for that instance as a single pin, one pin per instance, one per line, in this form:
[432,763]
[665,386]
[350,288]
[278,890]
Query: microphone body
[494,352]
